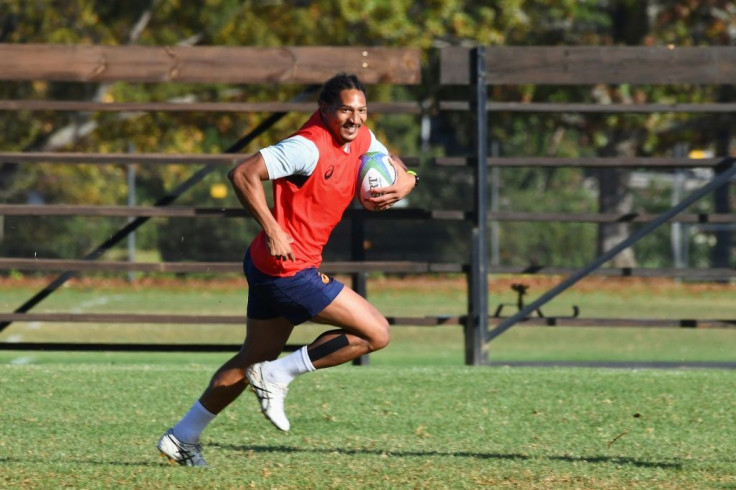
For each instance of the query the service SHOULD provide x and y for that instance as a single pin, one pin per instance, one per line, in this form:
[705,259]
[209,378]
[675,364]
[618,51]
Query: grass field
[415,418]
[95,426]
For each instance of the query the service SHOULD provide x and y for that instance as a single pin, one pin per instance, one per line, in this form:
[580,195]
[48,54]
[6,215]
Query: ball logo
[373,183]
[329,172]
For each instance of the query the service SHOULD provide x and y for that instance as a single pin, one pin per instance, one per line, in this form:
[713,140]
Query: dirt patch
[454,282]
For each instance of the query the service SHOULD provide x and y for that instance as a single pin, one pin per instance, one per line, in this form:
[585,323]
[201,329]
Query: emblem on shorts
[329,172]
[324,277]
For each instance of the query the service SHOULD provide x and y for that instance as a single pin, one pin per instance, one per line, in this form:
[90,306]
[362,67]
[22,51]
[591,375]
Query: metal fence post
[476,325]
[357,254]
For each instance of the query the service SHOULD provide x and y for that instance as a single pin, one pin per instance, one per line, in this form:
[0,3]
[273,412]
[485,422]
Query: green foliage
[54,237]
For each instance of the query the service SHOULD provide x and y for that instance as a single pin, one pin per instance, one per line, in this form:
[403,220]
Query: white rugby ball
[376,171]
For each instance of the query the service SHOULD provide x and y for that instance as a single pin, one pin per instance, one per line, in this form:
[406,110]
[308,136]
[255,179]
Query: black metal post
[357,254]
[722,251]
[477,320]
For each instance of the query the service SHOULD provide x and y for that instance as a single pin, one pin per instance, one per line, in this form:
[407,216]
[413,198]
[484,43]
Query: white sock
[193,423]
[285,369]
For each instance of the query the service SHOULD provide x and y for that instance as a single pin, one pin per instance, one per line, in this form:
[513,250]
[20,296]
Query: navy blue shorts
[297,298]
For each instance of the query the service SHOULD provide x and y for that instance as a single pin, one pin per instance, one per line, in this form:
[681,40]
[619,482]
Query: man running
[314,177]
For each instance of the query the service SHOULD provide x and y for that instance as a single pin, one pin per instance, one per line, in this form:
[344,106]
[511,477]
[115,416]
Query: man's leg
[361,329]
[264,340]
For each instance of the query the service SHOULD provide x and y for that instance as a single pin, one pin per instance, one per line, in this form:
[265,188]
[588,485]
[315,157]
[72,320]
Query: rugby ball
[376,171]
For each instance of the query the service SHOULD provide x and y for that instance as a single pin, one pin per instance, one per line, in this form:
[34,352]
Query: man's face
[346,116]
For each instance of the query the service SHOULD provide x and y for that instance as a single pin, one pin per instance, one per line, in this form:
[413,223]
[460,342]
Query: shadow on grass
[152,463]
[457,454]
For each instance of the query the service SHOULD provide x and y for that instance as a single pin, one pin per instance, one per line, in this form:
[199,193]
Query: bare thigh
[354,314]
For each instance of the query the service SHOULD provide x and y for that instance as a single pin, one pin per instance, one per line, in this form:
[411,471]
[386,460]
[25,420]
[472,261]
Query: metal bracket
[521,290]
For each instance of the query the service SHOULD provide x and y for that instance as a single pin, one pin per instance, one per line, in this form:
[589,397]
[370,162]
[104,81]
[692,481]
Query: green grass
[415,418]
[411,346]
[95,426]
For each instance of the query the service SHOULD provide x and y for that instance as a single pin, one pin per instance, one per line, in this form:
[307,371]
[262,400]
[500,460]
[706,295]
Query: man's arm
[247,181]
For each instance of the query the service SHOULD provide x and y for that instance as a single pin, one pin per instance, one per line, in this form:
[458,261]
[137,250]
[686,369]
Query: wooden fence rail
[232,159]
[227,159]
[207,64]
[337,267]
[192,212]
[187,107]
[423,321]
[574,107]
[591,65]
[503,216]
[586,162]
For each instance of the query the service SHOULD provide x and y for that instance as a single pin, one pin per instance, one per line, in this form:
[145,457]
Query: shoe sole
[169,459]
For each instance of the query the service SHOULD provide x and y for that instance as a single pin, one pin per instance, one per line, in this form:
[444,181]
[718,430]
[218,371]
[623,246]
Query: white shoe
[180,452]
[271,395]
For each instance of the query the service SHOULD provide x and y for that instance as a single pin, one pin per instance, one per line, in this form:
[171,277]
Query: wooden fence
[473,69]
[481,67]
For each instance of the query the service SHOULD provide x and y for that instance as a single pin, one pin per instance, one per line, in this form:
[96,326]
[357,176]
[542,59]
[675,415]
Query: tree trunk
[614,196]
[629,26]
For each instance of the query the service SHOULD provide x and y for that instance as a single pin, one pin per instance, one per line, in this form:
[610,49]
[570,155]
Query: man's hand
[395,192]
[246,179]
[279,245]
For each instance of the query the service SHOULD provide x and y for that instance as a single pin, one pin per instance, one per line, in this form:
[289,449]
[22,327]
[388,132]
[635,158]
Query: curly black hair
[330,93]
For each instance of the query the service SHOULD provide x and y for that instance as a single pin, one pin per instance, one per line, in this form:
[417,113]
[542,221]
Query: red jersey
[309,207]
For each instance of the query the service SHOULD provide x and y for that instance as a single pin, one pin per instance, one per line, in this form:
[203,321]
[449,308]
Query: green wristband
[416,177]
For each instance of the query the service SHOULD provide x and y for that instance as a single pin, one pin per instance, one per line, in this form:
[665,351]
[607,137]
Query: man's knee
[381,335]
